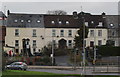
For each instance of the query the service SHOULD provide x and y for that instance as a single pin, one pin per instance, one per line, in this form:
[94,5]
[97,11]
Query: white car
[17,65]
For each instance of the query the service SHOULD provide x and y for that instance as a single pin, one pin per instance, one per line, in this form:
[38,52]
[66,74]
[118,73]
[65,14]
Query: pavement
[79,70]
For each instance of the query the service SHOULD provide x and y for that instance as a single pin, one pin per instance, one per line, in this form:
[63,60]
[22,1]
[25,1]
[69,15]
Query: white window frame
[60,22]
[86,24]
[22,21]
[67,22]
[53,22]
[16,20]
[100,24]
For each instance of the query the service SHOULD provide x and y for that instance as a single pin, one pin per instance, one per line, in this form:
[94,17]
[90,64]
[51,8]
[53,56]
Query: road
[79,70]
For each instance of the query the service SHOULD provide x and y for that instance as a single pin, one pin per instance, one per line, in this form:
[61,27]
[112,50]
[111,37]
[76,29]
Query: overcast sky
[40,7]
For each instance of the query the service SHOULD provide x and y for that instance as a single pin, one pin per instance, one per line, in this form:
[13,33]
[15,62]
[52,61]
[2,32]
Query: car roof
[18,62]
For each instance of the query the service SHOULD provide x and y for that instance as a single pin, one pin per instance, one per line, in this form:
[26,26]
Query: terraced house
[34,31]
[2,28]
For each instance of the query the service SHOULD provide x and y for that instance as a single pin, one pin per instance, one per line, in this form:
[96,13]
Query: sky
[110,7]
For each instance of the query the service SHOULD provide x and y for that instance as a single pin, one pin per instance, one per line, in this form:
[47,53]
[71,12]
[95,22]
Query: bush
[109,51]
[43,61]
[61,52]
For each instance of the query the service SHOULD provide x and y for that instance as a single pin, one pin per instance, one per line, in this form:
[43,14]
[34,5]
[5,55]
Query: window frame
[53,33]
[69,33]
[92,34]
[34,33]
[100,33]
[16,43]
[16,32]
[61,33]
[34,43]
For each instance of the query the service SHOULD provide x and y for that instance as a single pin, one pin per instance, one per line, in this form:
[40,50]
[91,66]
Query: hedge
[109,50]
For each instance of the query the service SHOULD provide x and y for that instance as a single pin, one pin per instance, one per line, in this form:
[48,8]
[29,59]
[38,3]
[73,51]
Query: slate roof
[73,23]
[25,20]
[112,19]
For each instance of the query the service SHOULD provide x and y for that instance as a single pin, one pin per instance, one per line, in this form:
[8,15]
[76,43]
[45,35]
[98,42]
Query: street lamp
[83,45]
[94,45]
[52,55]
[75,16]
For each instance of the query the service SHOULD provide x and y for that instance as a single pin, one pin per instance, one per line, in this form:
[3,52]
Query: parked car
[17,65]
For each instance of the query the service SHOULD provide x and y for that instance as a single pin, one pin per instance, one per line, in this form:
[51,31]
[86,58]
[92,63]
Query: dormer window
[92,22]
[100,24]
[67,22]
[15,20]
[60,22]
[29,21]
[86,23]
[111,25]
[53,22]
[22,20]
[38,21]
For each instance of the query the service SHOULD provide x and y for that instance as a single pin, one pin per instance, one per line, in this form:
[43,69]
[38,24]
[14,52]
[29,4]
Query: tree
[57,12]
[79,39]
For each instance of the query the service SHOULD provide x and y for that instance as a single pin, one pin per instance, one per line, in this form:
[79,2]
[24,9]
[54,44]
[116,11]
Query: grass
[19,73]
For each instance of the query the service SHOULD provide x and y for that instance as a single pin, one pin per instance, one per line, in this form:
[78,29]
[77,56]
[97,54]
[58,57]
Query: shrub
[109,50]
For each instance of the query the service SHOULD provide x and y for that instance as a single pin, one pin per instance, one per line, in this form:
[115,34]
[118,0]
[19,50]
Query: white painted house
[41,30]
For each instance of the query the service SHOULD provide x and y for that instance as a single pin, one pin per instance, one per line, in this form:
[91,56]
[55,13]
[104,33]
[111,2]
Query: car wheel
[7,68]
[20,69]
[24,69]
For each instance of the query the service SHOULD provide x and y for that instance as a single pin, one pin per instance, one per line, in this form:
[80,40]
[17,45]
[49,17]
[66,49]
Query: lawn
[18,73]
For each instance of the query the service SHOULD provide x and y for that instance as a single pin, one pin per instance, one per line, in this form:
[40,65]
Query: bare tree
[57,12]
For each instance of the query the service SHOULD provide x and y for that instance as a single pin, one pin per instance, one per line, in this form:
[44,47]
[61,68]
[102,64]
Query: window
[111,25]
[85,43]
[54,43]
[60,22]
[67,22]
[91,43]
[22,20]
[34,32]
[99,42]
[92,33]
[62,33]
[15,20]
[53,33]
[16,43]
[29,21]
[16,32]
[69,33]
[70,43]
[38,21]
[99,32]
[34,43]
[53,22]
[113,33]
[86,23]
[92,22]
[34,50]
[100,24]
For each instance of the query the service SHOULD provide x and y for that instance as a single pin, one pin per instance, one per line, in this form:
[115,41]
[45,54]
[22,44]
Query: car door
[12,66]
[17,65]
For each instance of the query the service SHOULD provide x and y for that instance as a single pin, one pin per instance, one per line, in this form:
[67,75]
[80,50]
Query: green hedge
[109,51]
